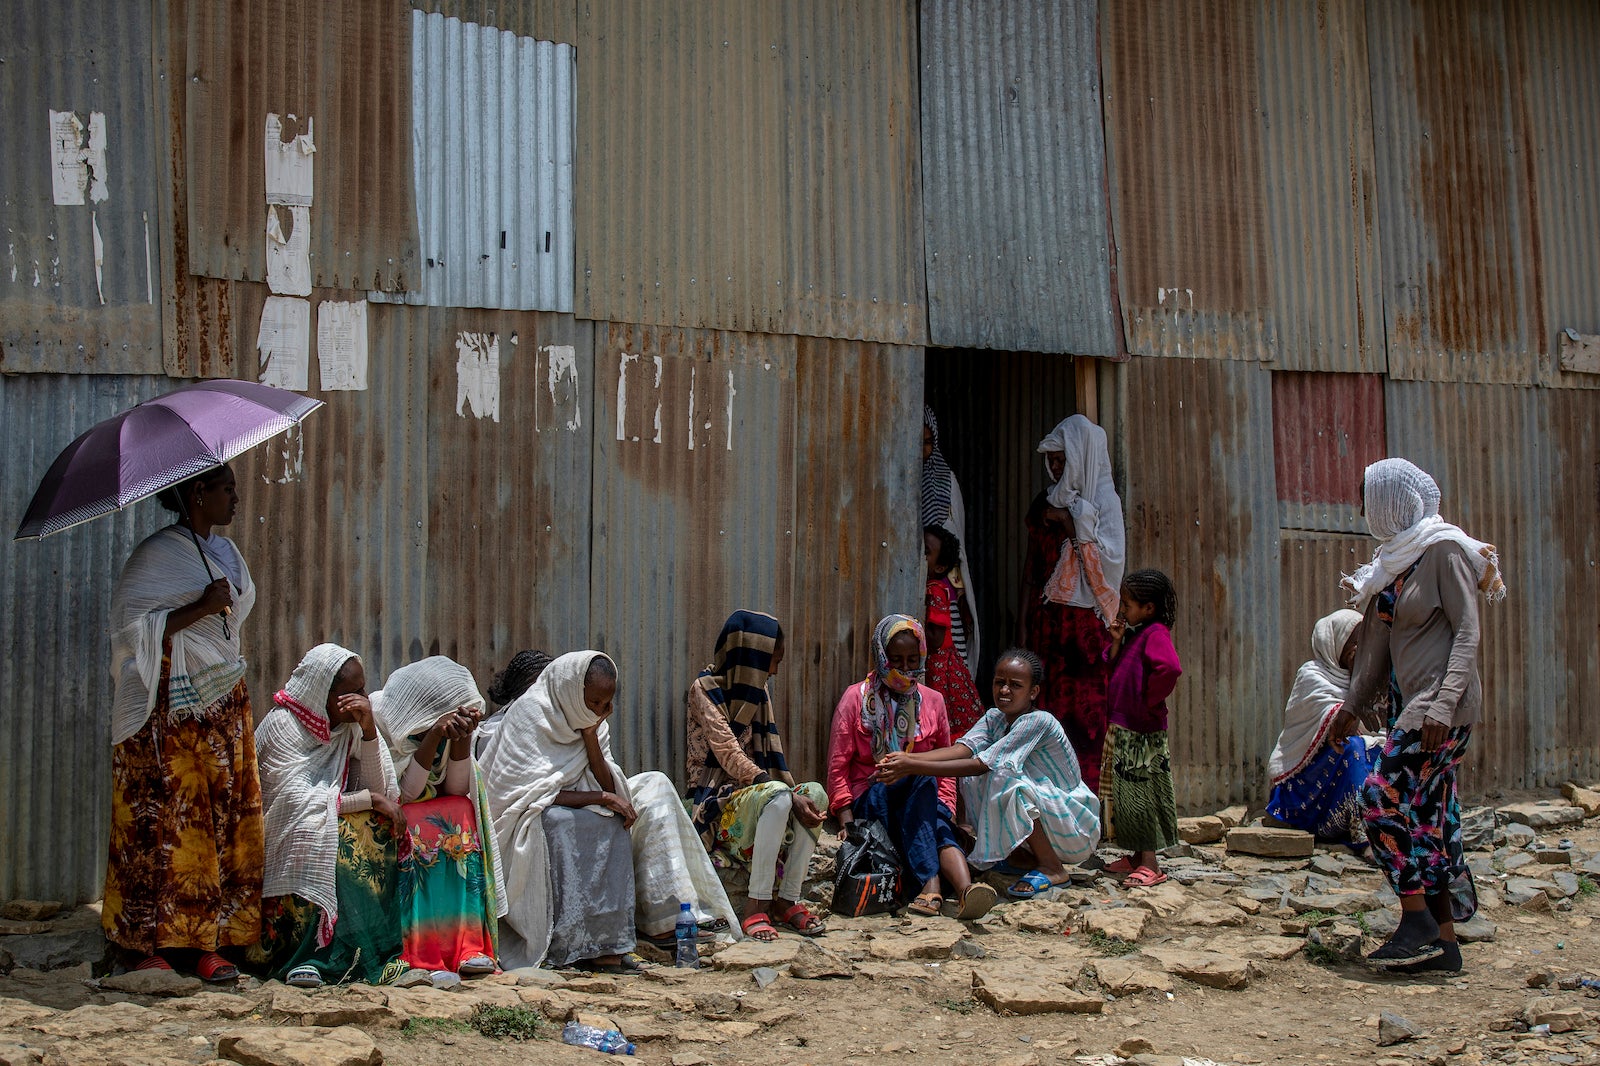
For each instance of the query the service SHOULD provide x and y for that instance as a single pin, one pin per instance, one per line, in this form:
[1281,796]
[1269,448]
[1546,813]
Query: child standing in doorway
[947,672]
[1144,671]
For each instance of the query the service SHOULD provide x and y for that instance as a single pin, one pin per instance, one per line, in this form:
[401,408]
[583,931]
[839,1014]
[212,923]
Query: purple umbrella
[156,445]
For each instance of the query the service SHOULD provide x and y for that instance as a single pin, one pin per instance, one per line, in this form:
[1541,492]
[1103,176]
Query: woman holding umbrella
[184,877]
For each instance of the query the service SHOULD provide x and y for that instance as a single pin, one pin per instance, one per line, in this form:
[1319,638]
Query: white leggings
[776,818]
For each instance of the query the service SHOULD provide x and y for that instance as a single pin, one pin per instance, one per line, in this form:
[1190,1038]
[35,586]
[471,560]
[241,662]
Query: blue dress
[1324,798]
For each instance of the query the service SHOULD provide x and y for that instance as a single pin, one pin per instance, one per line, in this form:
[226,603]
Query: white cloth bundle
[1086,490]
[1318,692]
[164,573]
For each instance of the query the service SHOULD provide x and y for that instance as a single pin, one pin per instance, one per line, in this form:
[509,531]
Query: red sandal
[154,962]
[214,969]
[759,922]
[1145,877]
[802,920]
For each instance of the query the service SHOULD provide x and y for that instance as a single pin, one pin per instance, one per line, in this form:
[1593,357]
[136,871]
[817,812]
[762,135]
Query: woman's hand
[391,810]
[808,813]
[1434,734]
[892,767]
[1343,724]
[845,818]
[460,723]
[613,802]
[359,710]
[217,598]
[1062,517]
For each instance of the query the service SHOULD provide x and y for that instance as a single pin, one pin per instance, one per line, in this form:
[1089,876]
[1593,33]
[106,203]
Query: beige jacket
[1432,647]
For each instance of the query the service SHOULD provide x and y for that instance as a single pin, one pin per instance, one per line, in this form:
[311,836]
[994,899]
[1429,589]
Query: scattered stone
[1478,828]
[548,1002]
[1544,815]
[1566,883]
[748,954]
[444,980]
[1246,904]
[1205,830]
[1586,800]
[429,1002]
[15,1012]
[1164,900]
[1539,903]
[1518,835]
[1205,875]
[71,939]
[1554,856]
[8,962]
[1123,978]
[1327,865]
[99,1021]
[1260,948]
[689,1058]
[1119,923]
[30,910]
[1394,1029]
[1560,1017]
[344,1046]
[814,962]
[1538,979]
[1336,903]
[763,976]
[17,1055]
[113,1051]
[220,1004]
[22,928]
[1038,916]
[536,976]
[928,938]
[716,1006]
[968,949]
[350,1005]
[415,978]
[716,1032]
[1031,994]
[1341,938]
[1517,861]
[1520,890]
[1212,914]
[1271,843]
[1210,968]
[1137,1045]
[1233,817]
[153,983]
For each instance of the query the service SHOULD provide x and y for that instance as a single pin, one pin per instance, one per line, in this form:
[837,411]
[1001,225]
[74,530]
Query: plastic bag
[867,880]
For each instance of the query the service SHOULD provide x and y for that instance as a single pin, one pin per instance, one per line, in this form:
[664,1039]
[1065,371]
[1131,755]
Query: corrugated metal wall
[58,311]
[1311,567]
[1326,428]
[545,20]
[55,780]
[751,167]
[1014,177]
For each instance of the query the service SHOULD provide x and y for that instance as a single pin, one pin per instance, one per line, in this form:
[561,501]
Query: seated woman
[1020,782]
[561,818]
[891,712]
[334,830]
[451,897]
[520,673]
[747,808]
[1316,785]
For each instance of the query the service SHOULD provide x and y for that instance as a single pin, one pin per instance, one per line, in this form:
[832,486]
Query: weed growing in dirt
[1361,920]
[507,1023]
[1587,886]
[957,1006]
[1315,917]
[1321,955]
[1110,945]
[418,1027]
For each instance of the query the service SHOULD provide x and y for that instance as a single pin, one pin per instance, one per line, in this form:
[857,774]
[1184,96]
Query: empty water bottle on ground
[607,1040]
[688,933]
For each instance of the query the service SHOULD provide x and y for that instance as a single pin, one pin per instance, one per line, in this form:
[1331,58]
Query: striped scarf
[936,478]
[736,684]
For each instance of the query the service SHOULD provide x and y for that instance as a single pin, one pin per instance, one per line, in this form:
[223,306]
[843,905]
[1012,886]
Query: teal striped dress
[1033,776]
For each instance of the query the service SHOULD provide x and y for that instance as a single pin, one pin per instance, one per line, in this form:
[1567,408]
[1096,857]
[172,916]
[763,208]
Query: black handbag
[867,877]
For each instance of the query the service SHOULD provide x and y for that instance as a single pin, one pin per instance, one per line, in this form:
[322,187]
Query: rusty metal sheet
[1460,269]
[1326,428]
[1189,208]
[55,781]
[546,20]
[1312,565]
[347,68]
[1202,506]
[701,210]
[1015,207]
[79,281]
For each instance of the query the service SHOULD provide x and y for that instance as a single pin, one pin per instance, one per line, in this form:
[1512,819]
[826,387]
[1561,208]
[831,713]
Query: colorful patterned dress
[446,908]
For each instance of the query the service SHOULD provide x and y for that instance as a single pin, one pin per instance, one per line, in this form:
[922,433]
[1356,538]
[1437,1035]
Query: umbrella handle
[206,561]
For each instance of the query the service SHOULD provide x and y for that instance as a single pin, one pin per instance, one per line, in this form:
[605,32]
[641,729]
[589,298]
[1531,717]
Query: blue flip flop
[1029,885]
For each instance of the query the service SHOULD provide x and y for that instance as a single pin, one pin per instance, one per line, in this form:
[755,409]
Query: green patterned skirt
[1145,811]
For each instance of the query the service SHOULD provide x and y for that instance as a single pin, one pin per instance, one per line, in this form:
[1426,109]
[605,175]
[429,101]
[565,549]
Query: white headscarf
[303,759]
[413,699]
[1087,491]
[1318,693]
[537,752]
[1402,505]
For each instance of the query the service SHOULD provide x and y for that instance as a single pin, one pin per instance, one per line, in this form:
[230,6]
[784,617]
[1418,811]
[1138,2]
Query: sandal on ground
[1416,940]
[802,921]
[476,966]
[214,969]
[927,905]
[714,926]
[1123,865]
[1447,961]
[1144,877]
[977,902]
[303,977]
[1031,884]
[154,962]
[756,924]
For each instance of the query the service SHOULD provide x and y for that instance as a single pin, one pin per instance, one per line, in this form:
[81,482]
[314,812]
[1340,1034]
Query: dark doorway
[993,409]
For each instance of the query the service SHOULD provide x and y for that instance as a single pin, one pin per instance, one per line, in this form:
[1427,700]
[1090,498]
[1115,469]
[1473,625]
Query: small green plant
[1497,865]
[1110,945]
[1321,955]
[1361,920]
[957,1006]
[1587,885]
[422,1027]
[507,1023]
[1315,917]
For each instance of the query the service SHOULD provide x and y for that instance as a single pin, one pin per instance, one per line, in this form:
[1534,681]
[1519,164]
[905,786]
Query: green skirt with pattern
[1144,810]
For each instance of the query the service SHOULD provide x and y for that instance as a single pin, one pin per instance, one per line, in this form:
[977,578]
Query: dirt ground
[923,1007]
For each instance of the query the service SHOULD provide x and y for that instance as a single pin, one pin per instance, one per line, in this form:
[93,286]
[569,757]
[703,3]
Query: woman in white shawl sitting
[1316,783]
[334,829]
[450,894]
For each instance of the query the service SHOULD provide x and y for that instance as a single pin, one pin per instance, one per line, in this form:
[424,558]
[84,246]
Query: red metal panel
[1326,428]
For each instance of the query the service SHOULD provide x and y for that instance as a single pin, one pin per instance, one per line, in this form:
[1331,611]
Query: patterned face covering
[891,703]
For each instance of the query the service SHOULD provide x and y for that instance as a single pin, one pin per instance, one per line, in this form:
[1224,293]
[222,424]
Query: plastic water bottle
[607,1040]
[688,934]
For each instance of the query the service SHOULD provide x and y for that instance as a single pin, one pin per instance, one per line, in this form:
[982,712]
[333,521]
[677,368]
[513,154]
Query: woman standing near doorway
[942,506]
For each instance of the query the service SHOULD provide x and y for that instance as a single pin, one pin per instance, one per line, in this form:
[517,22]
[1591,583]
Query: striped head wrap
[891,701]
[736,684]
[936,477]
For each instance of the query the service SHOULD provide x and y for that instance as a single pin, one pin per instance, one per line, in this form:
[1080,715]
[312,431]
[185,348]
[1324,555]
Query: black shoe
[1416,940]
[1448,961]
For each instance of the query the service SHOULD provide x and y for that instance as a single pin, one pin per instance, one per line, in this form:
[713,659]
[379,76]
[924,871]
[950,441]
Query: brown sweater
[1432,647]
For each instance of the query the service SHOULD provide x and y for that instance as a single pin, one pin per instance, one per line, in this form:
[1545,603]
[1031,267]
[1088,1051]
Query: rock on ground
[30,910]
[1211,914]
[1123,978]
[1164,900]
[812,962]
[1038,916]
[1477,931]
[1271,843]
[17,1055]
[153,983]
[118,1051]
[299,1046]
[432,1003]
[351,1005]
[1119,923]
[1394,1029]
[100,1021]
[1008,993]
[748,954]
[1541,815]
[1205,830]
[1210,968]
[1586,800]
[927,938]
[1233,816]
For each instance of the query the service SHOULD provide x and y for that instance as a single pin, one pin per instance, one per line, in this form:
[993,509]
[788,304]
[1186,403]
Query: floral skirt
[186,847]
[1143,807]
[729,815]
[949,677]
[446,904]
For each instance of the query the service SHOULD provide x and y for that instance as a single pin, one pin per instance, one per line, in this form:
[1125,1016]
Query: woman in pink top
[888,712]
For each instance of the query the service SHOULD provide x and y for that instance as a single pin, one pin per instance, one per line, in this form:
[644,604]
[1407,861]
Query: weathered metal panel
[1326,428]
[1521,468]
[1015,208]
[1553,49]
[751,167]
[347,68]
[1461,274]
[546,20]
[1202,506]
[492,123]
[55,780]
[1320,185]
[78,282]
[1183,124]
[1312,566]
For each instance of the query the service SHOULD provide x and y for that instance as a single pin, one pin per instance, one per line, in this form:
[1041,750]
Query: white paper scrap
[478,374]
[99,258]
[289,254]
[284,342]
[77,158]
[289,163]
[342,345]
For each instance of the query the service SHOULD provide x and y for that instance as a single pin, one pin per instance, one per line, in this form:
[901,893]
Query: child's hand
[1119,627]
[892,767]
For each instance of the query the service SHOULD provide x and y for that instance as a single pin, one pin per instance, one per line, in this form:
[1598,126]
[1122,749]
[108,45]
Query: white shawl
[536,753]
[1318,693]
[302,778]
[414,698]
[1088,493]
[1402,506]
[164,573]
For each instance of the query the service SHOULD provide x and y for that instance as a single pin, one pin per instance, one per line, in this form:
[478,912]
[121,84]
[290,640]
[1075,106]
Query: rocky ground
[1249,955]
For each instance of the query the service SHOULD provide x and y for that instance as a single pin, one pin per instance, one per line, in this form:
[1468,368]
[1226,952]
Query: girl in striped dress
[1020,782]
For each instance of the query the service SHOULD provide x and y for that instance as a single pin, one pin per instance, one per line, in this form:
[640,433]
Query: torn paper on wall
[561,369]
[289,163]
[99,258]
[289,250]
[478,374]
[77,158]
[284,342]
[342,344]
